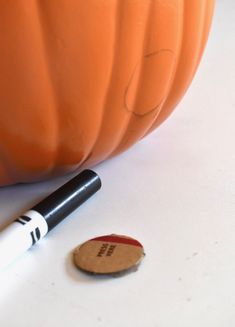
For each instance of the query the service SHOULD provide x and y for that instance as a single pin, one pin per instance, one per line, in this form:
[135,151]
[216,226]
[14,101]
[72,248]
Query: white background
[175,192]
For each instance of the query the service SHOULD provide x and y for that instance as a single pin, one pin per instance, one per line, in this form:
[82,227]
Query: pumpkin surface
[83,80]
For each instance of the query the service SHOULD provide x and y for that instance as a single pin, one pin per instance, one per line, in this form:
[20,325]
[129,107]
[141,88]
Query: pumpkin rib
[128,131]
[207,23]
[202,35]
[182,80]
[175,81]
[116,86]
[178,47]
[53,92]
[140,124]
[25,89]
[108,86]
[181,24]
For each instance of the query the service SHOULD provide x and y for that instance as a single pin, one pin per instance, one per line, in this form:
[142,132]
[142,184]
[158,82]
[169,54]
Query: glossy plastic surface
[84,80]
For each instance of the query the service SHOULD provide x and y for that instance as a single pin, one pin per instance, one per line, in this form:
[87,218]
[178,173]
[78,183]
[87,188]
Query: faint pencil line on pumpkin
[149,111]
[181,22]
[153,53]
[142,50]
[177,69]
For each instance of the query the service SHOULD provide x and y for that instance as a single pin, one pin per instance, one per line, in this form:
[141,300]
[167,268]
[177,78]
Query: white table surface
[175,192]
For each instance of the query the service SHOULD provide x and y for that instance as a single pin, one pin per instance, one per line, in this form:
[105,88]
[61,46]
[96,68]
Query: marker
[34,224]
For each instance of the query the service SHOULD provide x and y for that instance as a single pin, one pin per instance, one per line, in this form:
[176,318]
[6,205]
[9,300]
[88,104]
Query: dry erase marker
[34,224]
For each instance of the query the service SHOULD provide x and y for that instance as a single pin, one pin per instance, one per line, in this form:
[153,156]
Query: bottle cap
[109,254]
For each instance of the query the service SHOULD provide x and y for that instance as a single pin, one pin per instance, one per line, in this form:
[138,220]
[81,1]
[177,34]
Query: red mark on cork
[118,239]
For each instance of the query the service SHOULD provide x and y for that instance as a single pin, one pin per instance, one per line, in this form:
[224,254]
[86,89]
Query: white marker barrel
[21,235]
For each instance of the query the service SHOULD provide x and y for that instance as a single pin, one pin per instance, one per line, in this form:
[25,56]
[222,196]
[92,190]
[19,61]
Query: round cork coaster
[109,254]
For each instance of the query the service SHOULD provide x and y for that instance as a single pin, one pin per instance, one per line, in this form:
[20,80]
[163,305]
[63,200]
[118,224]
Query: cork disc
[109,254]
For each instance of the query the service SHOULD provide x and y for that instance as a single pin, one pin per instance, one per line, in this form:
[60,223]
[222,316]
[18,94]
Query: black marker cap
[68,197]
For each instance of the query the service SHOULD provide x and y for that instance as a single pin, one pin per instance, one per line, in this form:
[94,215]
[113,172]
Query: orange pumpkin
[83,80]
